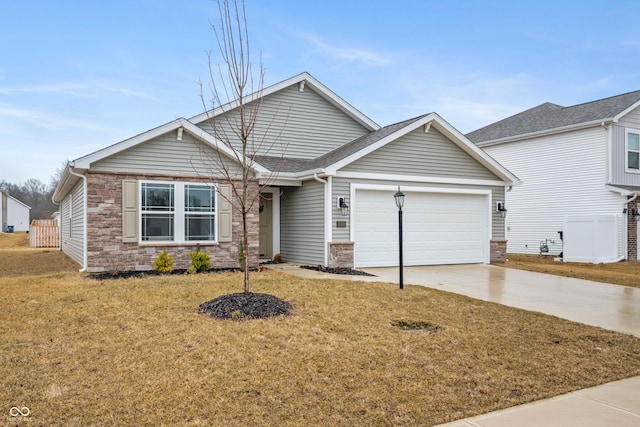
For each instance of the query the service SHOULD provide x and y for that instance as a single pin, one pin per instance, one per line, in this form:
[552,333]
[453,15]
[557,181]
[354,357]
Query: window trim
[179,214]
[627,150]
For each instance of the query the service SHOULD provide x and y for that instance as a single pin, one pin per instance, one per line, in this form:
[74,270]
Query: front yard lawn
[77,351]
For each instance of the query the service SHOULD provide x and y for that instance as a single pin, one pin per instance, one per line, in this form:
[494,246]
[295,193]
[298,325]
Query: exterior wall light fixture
[501,209]
[343,206]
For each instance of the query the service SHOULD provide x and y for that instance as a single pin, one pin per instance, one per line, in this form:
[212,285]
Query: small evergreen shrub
[164,263]
[199,261]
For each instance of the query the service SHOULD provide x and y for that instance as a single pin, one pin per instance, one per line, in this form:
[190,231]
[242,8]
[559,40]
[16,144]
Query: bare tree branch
[234,119]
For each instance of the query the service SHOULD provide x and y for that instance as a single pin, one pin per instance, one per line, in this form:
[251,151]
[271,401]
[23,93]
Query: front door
[266,227]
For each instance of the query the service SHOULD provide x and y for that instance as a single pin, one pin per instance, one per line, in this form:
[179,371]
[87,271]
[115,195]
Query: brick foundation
[107,252]
[498,251]
[340,255]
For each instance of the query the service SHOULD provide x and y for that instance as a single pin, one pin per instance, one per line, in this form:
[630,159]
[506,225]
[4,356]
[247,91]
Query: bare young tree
[233,110]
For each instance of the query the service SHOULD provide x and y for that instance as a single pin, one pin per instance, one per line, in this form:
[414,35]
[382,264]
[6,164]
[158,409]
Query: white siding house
[14,215]
[572,164]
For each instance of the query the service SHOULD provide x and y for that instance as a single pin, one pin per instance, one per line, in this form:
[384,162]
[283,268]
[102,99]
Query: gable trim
[578,126]
[625,111]
[302,78]
[9,196]
[86,161]
[420,179]
[449,132]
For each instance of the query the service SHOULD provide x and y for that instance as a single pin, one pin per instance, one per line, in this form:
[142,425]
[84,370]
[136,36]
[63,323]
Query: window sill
[176,244]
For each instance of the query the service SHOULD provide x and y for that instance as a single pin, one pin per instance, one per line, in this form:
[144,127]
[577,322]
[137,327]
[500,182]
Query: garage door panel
[439,228]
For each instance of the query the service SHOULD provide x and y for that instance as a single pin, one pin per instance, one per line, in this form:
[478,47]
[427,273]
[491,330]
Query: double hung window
[158,211]
[177,212]
[199,217]
[633,150]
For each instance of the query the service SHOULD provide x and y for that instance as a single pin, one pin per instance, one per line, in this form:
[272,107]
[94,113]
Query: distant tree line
[35,194]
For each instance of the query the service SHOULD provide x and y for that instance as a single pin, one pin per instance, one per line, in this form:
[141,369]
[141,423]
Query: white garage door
[439,228]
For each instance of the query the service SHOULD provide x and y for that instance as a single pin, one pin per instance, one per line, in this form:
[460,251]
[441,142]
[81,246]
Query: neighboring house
[14,215]
[122,205]
[578,164]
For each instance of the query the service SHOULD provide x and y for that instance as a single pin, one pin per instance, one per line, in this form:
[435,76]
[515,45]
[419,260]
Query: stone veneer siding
[632,232]
[107,252]
[498,250]
[340,255]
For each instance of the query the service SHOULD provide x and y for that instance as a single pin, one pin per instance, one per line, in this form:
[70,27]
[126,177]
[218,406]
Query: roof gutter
[84,218]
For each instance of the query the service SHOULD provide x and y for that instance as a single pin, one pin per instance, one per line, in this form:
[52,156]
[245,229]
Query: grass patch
[135,351]
[620,273]
[18,259]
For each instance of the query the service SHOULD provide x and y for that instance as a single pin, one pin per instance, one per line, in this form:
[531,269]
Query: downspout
[327,214]
[609,130]
[84,213]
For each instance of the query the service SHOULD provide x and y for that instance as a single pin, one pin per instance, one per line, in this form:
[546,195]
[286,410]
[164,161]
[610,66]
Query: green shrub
[164,263]
[199,261]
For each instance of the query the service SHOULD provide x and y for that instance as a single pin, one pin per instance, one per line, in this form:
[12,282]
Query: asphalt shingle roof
[550,116]
[289,164]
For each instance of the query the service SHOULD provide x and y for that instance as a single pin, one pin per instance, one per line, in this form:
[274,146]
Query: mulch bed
[107,275]
[245,306]
[348,271]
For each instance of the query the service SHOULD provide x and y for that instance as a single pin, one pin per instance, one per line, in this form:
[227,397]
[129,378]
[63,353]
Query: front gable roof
[292,168]
[69,179]
[551,118]
[301,80]
[331,162]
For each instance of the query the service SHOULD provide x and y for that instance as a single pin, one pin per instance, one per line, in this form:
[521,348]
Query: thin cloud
[347,54]
[44,120]
[73,89]
[129,92]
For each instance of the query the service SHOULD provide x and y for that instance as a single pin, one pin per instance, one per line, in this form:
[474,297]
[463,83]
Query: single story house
[326,175]
[580,172]
[14,215]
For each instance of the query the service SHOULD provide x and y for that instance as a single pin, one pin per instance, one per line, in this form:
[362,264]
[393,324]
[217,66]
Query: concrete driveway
[599,304]
[611,307]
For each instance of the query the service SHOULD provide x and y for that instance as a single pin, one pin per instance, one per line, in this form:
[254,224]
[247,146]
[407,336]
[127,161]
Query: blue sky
[76,76]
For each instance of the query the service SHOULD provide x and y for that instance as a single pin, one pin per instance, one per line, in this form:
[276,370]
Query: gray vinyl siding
[168,156]
[342,186]
[302,223]
[631,120]
[295,124]
[72,223]
[422,154]
[619,176]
